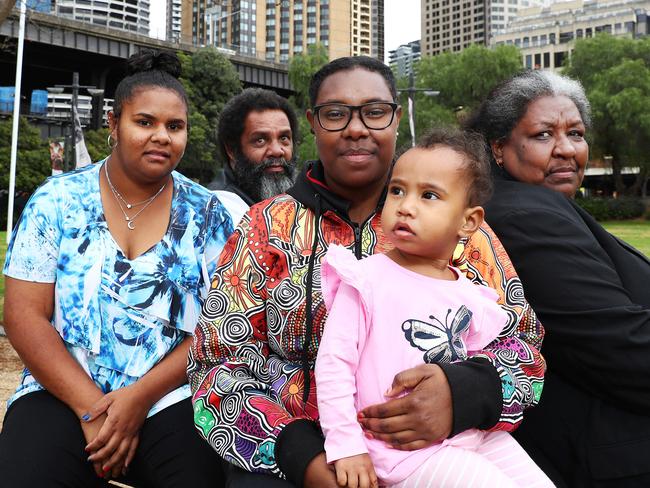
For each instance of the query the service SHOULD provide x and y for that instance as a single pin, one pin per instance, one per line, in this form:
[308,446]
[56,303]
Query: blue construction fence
[38,103]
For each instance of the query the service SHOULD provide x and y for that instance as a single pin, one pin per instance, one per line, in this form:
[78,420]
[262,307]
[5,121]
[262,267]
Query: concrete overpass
[56,46]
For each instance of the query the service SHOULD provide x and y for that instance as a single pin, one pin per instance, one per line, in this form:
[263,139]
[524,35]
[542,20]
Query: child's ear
[473,218]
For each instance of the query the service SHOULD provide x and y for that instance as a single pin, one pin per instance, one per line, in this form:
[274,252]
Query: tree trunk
[639,182]
[619,186]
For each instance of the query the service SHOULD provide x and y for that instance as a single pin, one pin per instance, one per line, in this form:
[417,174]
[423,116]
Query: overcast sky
[401,21]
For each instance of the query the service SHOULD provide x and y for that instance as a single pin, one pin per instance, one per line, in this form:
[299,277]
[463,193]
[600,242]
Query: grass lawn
[634,232]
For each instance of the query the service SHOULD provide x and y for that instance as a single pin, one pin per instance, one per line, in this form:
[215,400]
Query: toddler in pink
[390,312]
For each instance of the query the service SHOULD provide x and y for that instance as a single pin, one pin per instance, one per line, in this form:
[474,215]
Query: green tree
[463,79]
[210,80]
[33,161]
[616,75]
[301,70]
[97,144]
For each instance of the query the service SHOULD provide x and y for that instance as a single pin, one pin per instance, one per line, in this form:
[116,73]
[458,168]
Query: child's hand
[356,472]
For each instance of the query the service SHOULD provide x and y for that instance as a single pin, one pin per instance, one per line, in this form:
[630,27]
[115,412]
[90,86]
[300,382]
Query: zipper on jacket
[357,240]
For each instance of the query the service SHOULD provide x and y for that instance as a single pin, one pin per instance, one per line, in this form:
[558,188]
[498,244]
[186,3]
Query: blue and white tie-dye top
[117,316]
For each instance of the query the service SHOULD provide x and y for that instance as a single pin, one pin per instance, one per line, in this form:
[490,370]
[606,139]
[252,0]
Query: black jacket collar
[229,184]
[311,181]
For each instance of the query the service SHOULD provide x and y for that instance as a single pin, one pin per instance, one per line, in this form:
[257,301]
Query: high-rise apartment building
[377,29]
[173,20]
[452,25]
[278,29]
[193,21]
[402,60]
[546,35]
[131,15]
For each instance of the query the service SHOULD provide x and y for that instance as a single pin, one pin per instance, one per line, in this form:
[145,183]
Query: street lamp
[212,21]
[97,107]
[410,92]
[98,113]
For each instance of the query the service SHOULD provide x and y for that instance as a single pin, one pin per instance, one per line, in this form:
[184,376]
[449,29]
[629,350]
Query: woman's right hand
[319,474]
[90,430]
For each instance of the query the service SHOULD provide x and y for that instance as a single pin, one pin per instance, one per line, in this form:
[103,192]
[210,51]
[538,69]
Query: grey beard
[252,178]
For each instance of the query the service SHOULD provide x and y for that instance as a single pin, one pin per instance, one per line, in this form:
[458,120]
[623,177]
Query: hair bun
[154,61]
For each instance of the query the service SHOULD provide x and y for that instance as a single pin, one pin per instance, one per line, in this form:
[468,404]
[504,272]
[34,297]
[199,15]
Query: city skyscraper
[453,25]
[403,59]
[173,20]
[546,35]
[275,30]
[130,15]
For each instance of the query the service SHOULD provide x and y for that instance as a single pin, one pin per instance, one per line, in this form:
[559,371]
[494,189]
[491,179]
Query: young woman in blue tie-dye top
[105,278]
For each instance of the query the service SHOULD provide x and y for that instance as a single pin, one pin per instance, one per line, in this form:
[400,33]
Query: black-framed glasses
[334,117]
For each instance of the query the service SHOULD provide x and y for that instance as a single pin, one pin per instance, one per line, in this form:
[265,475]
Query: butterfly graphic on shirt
[442,341]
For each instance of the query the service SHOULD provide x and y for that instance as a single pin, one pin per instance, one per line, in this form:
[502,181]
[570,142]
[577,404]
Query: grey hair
[507,102]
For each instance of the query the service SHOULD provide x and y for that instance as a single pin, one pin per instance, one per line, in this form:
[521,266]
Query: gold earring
[108,141]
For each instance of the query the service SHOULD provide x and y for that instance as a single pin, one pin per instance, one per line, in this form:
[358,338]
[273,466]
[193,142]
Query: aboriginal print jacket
[251,363]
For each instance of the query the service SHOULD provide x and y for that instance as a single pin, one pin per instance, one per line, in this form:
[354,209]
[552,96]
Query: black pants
[42,446]
[580,442]
[239,478]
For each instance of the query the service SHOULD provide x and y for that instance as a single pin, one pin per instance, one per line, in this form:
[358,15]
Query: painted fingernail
[360,415]
[369,435]
[85,417]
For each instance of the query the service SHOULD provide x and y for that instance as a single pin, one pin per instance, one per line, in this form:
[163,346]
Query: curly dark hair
[348,63]
[233,116]
[149,68]
[477,163]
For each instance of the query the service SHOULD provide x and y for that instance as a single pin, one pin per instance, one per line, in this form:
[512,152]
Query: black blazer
[591,292]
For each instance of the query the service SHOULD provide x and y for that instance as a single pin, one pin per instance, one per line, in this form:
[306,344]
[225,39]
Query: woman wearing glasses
[251,363]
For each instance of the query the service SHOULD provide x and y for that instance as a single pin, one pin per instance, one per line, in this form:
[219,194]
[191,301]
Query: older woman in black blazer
[590,289]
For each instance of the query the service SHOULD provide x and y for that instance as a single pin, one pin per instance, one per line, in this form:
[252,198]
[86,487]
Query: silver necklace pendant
[120,199]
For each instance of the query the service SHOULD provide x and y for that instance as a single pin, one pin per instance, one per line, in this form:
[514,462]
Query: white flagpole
[412,118]
[14,132]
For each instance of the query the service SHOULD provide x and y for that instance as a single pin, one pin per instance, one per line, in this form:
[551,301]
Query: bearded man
[256,134]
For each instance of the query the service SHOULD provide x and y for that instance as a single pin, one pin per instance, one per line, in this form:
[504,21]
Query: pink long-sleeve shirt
[382,320]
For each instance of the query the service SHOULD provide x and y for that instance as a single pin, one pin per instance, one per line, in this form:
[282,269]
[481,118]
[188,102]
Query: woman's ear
[310,118]
[112,121]
[398,114]
[473,218]
[497,149]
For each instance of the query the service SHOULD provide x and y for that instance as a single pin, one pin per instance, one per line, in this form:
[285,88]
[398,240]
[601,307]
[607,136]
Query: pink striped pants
[497,461]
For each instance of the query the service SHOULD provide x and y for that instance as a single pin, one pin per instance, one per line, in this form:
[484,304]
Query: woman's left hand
[116,443]
[416,420]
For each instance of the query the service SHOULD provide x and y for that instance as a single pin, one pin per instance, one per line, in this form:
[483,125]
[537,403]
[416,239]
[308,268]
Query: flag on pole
[411,120]
[81,153]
